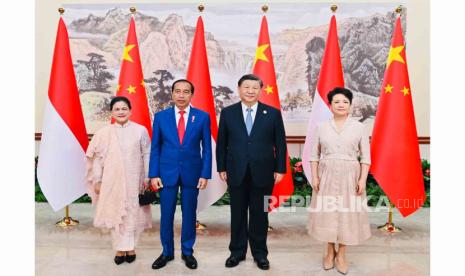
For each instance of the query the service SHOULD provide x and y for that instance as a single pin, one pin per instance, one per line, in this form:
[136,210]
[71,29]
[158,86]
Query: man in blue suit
[180,157]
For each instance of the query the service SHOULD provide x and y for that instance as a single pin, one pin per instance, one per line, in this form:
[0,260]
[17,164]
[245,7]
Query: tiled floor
[85,250]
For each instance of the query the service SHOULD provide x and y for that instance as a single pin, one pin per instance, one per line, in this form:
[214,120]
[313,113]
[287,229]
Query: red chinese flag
[131,81]
[199,74]
[264,68]
[396,163]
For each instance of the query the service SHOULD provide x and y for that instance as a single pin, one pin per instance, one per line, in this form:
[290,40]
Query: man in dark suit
[251,157]
[180,157]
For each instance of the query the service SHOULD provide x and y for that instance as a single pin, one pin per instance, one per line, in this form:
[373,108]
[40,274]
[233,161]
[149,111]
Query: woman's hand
[316,184]
[223,176]
[361,185]
[156,184]
[97,187]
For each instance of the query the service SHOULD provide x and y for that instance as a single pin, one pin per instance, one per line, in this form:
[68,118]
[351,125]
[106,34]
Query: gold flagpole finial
[61,11]
[201,8]
[133,10]
[399,9]
[265,8]
[334,8]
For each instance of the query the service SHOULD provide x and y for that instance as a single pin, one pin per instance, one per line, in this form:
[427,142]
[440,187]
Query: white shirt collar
[187,109]
[254,107]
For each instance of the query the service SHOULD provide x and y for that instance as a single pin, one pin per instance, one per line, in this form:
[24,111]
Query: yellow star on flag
[126,50]
[405,91]
[142,83]
[260,53]
[394,55]
[118,87]
[388,88]
[131,89]
[269,89]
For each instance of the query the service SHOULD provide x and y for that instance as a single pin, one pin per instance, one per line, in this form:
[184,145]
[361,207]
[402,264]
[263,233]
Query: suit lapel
[172,124]
[258,118]
[239,114]
[191,119]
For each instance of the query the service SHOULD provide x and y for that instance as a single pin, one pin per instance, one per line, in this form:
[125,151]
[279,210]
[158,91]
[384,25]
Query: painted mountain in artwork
[97,42]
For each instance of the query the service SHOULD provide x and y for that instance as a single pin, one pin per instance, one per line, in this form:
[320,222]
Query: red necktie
[181,126]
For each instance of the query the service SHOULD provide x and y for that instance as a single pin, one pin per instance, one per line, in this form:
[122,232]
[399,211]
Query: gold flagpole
[264,9]
[67,220]
[389,225]
[198,225]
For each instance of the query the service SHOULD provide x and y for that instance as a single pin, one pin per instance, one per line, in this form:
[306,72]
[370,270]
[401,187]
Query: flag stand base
[200,226]
[389,227]
[67,220]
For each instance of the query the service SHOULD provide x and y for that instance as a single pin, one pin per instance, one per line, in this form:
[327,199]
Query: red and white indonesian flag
[199,74]
[62,162]
[331,76]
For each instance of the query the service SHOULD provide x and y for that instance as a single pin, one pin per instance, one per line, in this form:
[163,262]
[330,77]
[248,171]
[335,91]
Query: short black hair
[340,90]
[119,99]
[250,77]
[182,80]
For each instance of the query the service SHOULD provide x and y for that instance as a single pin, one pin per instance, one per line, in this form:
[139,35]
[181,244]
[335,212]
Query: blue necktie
[248,120]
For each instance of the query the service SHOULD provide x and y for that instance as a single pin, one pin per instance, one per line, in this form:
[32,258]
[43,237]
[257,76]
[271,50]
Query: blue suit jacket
[169,159]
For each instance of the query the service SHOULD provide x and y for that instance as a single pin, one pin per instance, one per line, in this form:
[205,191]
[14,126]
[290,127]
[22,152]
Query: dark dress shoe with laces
[190,261]
[262,263]
[130,258]
[161,261]
[233,261]
[119,259]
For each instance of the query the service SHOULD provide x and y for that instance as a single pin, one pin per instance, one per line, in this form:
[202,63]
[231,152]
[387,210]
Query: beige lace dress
[337,214]
[118,157]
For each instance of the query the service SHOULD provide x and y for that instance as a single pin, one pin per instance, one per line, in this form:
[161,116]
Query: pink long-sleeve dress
[337,213]
[118,157]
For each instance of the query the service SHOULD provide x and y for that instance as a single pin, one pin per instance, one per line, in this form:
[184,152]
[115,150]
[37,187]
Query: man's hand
[156,184]
[278,177]
[97,187]
[223,176]
[202,183]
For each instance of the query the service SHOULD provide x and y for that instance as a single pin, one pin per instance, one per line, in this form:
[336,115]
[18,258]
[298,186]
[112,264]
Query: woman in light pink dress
[338,209]
[117,170]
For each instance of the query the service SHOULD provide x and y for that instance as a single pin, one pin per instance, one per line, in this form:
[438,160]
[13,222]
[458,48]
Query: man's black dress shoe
[130,258]
[119,260]
[161,261]
[232,261]
[262,263]
[190,261]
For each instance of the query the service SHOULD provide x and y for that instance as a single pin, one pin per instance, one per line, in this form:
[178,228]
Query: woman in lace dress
[338,210]
[117,170]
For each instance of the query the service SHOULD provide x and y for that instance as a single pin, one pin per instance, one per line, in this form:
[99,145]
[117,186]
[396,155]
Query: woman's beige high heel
[328,266]
[343,270]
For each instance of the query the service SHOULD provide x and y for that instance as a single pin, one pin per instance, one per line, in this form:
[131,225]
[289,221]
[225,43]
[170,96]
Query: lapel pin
[264,112]
[193,119]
